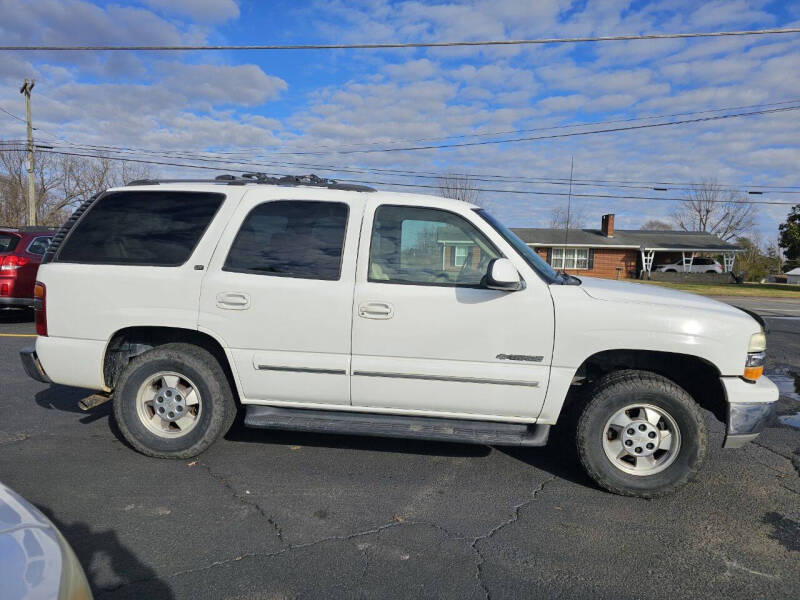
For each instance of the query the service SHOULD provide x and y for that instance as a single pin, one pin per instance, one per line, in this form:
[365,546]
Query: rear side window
[159,228]
[291,239]
[8,241]
[39,245]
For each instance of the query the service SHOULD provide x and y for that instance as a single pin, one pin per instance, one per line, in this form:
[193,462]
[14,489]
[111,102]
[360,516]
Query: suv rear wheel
[173,401]
[641,434]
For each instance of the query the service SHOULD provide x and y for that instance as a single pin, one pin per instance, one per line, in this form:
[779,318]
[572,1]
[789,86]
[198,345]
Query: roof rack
[262,178]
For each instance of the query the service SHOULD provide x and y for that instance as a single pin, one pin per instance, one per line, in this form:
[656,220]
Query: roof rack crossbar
[262,178]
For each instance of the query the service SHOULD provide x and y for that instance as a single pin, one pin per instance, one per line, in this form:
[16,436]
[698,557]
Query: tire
[670,271]
[668,416]
[711,271]
[162,375]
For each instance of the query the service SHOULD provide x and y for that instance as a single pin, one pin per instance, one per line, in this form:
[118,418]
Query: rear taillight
[13,262]
[40,308]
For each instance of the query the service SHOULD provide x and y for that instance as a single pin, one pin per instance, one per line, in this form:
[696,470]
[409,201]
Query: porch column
[727,259]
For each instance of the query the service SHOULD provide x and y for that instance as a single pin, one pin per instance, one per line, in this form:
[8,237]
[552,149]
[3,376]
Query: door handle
[233,300]
[376,310]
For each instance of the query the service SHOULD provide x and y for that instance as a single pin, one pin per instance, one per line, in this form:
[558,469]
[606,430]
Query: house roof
[627,238]
[795,271]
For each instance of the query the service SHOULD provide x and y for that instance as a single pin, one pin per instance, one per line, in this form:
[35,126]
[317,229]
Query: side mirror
[502,275]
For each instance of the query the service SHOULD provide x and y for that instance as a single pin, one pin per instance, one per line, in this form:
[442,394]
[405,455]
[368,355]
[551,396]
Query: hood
[642,293]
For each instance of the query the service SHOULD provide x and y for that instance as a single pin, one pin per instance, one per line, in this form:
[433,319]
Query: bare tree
[61,183]
[574,218]
[459,186]
[716,210]
[657,225]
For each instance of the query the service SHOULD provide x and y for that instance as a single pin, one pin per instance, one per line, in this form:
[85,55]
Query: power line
[207,158]
[545,137]
[514,131]
[420,186]
[437,176]
[390,45]
[12,115]
[534,138]
[571,125]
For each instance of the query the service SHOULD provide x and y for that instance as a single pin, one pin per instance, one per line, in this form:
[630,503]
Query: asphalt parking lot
[286,515]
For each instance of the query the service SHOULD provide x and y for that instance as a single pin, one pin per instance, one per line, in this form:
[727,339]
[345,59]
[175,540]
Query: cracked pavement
[286,515]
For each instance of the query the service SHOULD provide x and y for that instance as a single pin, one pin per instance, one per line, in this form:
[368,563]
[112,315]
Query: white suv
[322,307]
[697,265]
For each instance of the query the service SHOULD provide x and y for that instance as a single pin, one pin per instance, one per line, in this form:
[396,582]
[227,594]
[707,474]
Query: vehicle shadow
[64,398]
[239,433]
[555,458]
[109,565]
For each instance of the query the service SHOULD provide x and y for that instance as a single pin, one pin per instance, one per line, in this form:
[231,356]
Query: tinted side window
[8,242]
[291,239]
[159,228]
[39,245]
[426,246]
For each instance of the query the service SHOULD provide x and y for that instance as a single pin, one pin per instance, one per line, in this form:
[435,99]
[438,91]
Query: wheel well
[698,377]
[130,342]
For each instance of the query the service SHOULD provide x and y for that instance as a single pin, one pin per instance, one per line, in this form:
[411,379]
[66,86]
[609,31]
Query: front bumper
[32,366]
[751,407]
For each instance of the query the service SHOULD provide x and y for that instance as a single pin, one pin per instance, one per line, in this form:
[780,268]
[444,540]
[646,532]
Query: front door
[428,336]
[279,293]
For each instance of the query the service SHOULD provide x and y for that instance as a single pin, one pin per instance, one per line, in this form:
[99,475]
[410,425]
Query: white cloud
[204,11]
[245,85]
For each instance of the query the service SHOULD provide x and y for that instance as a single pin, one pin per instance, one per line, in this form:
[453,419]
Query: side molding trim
[301,370]
[448,378]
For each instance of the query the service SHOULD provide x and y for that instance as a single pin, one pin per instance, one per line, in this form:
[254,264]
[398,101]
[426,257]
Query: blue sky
[261,103]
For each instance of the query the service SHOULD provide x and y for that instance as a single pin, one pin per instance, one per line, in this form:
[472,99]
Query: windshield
[536,262]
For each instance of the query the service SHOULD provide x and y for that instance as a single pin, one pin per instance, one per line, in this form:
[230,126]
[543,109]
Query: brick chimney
[607,225]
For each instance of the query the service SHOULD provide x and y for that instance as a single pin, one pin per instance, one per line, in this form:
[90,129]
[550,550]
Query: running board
[488,433]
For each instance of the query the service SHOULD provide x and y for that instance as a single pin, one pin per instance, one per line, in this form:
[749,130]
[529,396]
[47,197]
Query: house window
[569,258]
[460,254]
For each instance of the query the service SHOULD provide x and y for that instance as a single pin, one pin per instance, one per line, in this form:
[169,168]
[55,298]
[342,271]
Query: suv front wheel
[173,401]
[641,434]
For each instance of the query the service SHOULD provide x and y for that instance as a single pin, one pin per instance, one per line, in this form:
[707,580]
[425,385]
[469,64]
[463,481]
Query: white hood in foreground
[621,291]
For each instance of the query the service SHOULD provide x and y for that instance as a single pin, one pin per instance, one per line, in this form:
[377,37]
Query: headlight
[758,342]
[756,355]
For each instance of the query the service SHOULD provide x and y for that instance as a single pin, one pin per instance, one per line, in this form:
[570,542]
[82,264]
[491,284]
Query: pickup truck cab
[316,306]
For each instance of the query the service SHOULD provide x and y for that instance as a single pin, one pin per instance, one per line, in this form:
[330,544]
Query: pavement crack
[794,462]
[244,499]
[285,550]
[488,535]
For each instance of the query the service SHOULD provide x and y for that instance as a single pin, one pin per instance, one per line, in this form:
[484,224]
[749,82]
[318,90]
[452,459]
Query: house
[604,252]
[793,276]
[622,253]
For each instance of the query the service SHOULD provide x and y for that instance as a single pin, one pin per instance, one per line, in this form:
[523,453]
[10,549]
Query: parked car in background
[36,562]
[21,252]
[698,265]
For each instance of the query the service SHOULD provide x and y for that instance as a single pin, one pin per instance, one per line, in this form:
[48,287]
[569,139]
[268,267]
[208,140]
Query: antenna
[569,204]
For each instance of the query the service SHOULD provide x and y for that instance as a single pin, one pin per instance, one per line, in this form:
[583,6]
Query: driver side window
[427,246]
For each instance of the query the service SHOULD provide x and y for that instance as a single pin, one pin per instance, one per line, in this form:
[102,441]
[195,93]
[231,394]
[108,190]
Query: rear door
[279,295]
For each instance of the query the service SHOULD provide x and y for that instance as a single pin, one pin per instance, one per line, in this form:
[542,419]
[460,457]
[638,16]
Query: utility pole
[26,89]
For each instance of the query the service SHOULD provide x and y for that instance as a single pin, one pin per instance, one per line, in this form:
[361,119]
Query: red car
[21,252]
